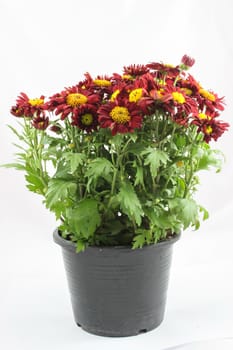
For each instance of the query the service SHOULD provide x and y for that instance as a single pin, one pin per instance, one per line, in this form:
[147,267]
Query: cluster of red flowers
[123,102]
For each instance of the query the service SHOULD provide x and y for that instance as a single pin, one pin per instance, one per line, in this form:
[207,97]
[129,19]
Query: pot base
[113,334]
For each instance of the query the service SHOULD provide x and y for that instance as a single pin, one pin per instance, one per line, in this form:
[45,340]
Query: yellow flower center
[127,77]
[102,82]
[204,116]
[120,115]
[76,99]
[114,95]
[36,102]
[87,119]
[135,95]
[180,163]
[207,95]
[160,82]
[187,91]
[169,65]
[178,97]
[160,93]
[208,130]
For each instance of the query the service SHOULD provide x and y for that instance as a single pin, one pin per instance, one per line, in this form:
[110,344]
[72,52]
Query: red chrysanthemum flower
[135,70]
[69,101]
[26,107]
[121,116]
[210,100]
[40,122]
[190,85]
[174,101]
[86,83]
[146,81]
[86,119]
[210,126]
[100,85]
[159,70]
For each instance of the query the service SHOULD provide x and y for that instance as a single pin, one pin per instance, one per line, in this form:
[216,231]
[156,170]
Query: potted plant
[116,159]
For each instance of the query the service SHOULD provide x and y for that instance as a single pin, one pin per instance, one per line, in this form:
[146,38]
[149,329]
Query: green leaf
[63,170]
[139,241]
[112,227]
[180,140]
[135,148]
[58,190]
[59,209]
[186,210]
[129,202]
[85,218]
[142,237]
[204,211]
[117,140]
[154,159]
[99,167]
[75,159]
[133,137]
[20,136]
[209,158]
[16,166]
[35,183]
[80,247]
[139,176]
[160,218]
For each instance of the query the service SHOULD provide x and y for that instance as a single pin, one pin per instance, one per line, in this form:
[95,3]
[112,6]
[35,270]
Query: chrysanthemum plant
[116,158]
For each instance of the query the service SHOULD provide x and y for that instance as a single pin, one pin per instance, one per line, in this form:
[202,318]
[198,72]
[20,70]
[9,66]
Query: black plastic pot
[117,291]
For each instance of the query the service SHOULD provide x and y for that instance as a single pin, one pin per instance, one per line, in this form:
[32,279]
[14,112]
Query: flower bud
[187,62]
[55,128]
[40,122]
[17,111]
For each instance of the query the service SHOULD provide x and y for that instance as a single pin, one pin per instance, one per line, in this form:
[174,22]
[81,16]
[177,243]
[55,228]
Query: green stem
[35,150]
[189,177]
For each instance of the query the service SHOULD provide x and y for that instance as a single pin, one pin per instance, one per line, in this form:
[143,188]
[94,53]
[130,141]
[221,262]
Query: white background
[46,45]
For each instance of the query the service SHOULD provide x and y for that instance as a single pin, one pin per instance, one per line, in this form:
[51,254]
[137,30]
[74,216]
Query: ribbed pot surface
[117,291]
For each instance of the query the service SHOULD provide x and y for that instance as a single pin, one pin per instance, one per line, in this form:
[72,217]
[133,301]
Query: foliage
[116,158]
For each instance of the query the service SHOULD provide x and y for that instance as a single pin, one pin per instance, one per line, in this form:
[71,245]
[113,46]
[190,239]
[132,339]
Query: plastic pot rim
[72,246]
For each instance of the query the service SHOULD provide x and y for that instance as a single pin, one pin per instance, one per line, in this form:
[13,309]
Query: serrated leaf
[20,147]
[112,227]
[35,183]
[80,246]
[85,218]
[186,210]
[139,241]
[135,148]
[159,218]
[118,139]
[63,170]
[59,189]
[130,203]
[209,158]
[75,159]
[16,166]
[204,211]
[139,176]
[133,137]
[154,159]
[20,136]
[99,167]
[180,141]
